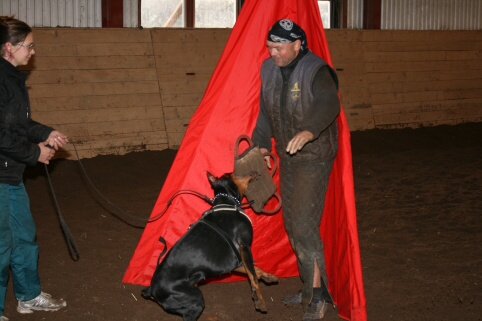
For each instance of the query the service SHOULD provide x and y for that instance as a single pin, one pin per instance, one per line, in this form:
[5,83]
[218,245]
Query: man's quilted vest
[286,121]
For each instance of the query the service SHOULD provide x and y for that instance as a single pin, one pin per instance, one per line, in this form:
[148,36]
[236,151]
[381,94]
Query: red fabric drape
[228,109]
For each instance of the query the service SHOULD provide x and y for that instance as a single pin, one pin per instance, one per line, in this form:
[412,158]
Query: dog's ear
[243,181]
[211,177]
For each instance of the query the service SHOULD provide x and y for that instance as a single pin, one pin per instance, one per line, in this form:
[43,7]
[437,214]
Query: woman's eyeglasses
[29,47]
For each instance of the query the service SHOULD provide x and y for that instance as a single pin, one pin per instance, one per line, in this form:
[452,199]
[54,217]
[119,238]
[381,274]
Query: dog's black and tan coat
[217,244]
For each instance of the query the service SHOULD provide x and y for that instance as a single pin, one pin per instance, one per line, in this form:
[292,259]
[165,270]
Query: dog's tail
[146,292]
[163,241]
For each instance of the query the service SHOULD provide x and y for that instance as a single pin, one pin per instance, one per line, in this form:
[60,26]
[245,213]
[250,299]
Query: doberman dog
[218,243]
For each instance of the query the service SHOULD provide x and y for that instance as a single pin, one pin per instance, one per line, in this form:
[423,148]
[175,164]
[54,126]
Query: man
[298,107]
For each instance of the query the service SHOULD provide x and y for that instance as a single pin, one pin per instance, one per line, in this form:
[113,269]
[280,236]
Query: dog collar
[228,196]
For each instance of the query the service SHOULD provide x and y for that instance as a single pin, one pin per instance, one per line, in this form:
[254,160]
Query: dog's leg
[247,259]
[260,274]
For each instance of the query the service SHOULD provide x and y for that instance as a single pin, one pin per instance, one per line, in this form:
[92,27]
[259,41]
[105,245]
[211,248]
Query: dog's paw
[259,302]
[268,278]
[260,306]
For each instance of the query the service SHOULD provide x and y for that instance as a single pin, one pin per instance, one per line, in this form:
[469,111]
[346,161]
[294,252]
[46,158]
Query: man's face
[283,53]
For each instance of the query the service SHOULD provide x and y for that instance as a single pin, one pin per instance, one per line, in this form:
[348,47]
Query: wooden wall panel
[99,86]
[185,60]
[410,78]
[122,37]
[92,75]
[115,91]
[347,52]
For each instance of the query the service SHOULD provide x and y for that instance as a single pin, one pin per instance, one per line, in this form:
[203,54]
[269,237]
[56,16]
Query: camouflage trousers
[303,188]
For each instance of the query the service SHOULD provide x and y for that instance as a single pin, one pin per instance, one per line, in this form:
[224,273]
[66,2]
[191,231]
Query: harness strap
[226,237]
[219,230]
[225,207]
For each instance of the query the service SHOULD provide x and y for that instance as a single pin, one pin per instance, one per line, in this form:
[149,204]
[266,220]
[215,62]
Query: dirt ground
[419,204]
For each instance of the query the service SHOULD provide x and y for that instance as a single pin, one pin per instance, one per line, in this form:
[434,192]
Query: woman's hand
[56,139]
[46,153]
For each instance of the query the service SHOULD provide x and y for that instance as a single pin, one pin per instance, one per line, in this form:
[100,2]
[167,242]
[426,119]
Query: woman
[22,142]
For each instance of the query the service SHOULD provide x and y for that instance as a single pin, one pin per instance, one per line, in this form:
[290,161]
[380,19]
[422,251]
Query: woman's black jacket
[19,134]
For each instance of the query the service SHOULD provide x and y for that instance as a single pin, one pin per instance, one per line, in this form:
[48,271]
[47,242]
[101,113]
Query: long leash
[72,245]
[125,213]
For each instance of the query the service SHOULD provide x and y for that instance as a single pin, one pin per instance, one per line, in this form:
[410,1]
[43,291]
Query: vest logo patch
[295,91]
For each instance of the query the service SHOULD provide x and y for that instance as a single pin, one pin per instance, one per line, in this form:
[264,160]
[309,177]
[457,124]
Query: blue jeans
[18,249]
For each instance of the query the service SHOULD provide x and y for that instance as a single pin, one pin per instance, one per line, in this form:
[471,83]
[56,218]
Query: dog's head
[230,184]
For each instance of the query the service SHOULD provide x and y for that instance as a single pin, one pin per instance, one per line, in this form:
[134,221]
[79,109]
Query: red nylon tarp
[228,109]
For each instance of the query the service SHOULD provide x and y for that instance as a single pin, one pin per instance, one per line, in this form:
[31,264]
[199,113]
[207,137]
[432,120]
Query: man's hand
[297,142]
[267,158]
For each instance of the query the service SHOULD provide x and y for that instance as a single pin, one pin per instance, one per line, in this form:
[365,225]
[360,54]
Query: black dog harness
[219,230]
[214,226]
